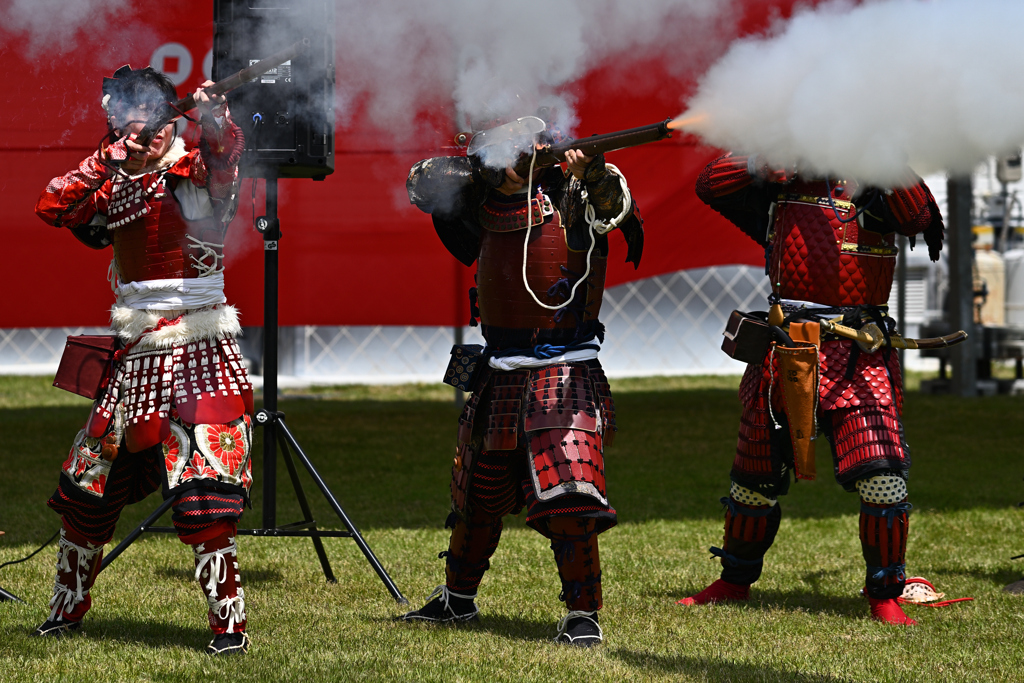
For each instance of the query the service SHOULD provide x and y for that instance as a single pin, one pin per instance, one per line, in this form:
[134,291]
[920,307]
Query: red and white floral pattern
[85,467]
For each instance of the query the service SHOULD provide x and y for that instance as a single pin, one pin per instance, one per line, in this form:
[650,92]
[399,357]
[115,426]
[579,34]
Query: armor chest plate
[551,270]
[160,244]
[817,257]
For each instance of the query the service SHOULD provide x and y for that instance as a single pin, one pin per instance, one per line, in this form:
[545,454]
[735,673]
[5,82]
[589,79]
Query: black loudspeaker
[287,114]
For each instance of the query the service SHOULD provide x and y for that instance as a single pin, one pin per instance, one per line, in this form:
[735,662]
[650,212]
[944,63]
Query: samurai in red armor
[533,431]
[175,411]
[830,249]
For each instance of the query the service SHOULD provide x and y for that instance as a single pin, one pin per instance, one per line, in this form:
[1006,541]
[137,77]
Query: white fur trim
[205,323]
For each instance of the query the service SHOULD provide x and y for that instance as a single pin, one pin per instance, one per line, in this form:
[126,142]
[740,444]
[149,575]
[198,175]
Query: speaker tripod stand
[277,435]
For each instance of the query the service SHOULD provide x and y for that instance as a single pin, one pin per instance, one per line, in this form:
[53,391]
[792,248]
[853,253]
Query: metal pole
[271,236]
[336,506]
[137,531]
[901,288]
[961,285]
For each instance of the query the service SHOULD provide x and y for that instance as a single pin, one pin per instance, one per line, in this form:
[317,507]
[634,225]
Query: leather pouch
[463,366]
[86,364]
[747,336]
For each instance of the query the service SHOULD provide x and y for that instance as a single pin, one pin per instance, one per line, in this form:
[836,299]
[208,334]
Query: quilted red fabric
[808,262]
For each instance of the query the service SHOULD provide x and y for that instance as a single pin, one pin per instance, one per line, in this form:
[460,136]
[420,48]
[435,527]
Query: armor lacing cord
[526,244]
[897,571]
[113,275]
[446,595]
[65,598]
[203,268]
[217,565]
[888,513]
[732,560]
[573,614]
[230,609]
[728,502]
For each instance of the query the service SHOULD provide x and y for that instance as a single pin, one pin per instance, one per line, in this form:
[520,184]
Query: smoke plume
[862,91]
[56,27]
[497,59]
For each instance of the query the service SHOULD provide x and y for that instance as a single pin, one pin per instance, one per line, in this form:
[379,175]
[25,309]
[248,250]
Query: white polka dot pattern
[882,489]
[744,495]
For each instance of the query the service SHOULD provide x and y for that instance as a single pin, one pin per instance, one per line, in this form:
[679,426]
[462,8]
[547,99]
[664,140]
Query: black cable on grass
[34,553]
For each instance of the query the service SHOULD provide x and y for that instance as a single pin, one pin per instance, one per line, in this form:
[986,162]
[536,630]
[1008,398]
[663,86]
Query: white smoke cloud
[861,91]
[56,27]
[496,58]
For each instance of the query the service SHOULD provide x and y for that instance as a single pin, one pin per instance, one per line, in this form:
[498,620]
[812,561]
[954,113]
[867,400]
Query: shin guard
[883,540]
[749,533]
[217,572]
[574,542]
[469,551]
[78,563]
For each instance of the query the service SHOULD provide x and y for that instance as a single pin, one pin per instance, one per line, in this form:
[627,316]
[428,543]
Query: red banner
[353,252]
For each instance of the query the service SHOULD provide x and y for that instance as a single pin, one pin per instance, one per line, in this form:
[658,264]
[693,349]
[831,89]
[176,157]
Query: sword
[870,338]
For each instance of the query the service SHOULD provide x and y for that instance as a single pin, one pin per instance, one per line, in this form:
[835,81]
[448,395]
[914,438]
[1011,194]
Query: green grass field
[386,453]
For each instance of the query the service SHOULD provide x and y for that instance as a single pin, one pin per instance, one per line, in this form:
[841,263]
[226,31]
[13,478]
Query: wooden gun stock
[170,112]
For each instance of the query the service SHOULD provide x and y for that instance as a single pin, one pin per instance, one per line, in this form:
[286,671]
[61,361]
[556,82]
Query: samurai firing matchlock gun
[512,145]
[172,111]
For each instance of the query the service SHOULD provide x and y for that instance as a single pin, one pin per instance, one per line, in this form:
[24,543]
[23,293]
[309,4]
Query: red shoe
[719,591]
[889,612]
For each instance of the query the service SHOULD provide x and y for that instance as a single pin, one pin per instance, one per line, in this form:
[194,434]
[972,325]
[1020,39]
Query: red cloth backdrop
[354,252]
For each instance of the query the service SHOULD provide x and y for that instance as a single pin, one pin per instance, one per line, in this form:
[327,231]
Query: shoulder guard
[448,189]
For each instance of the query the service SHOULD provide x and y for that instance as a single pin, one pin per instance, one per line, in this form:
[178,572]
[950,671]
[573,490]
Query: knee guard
[751,523]
[884,523]
[574,542]
[470,548]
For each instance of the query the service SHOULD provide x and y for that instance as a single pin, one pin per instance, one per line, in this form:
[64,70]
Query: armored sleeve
[909,210]
[448,189]
[603,189]
[728,187]
[76,197]
[220,148]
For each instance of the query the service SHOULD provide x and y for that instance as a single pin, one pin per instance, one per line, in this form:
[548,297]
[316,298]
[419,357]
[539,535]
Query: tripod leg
[371,558]
[304,506]
[5,596]
[137,531]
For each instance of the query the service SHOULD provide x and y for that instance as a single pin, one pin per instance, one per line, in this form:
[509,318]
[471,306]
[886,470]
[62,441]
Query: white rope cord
[589,616]
[232,609]
[205,269]
[112,275]
[526,245]
[217,564]
[64,597]
[771,386]
[601,225]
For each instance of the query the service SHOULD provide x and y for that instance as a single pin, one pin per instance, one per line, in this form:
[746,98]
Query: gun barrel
[171,112]
[610,142]
[596,144]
